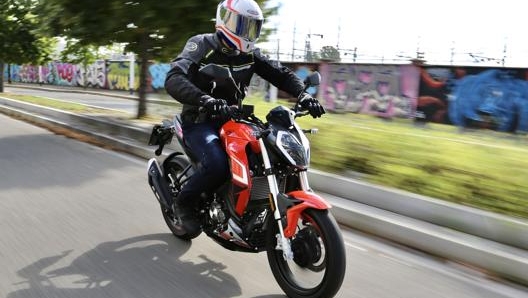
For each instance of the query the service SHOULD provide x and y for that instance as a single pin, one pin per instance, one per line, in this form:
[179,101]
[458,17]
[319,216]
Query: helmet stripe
[230,5]
[231,36]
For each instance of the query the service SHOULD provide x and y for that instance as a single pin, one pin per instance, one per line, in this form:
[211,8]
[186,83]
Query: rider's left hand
[311,104]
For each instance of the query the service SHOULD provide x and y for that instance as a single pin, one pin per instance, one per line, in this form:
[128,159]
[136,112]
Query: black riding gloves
[215,106]
[311,104]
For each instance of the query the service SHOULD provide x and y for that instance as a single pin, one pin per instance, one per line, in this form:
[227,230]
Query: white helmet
[238,23]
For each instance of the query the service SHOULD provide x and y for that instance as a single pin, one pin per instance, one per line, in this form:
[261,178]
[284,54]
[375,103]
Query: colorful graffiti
[481,97]
[158,72]
[490,98]
[65,74]
[58,73]
[95,75]
[28,74]
[302,70]
[381,90]
[118,75]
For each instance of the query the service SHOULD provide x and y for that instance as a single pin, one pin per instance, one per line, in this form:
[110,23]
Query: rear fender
[308,200]
[168,158]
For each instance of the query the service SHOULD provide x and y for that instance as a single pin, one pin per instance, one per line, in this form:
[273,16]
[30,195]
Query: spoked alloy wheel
[175,167]
[319,257]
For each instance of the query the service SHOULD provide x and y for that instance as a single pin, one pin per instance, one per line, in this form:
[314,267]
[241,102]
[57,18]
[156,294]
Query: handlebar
[301,113]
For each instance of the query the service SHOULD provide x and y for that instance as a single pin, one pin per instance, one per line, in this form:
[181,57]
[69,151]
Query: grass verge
[478,168]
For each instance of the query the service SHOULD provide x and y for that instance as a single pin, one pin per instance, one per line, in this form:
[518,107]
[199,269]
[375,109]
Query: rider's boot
[183,211]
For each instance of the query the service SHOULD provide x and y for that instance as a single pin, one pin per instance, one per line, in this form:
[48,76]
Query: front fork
[283,242]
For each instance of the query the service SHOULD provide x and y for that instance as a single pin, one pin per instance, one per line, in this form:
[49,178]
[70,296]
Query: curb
[495,243]
[101,93]
[472,221]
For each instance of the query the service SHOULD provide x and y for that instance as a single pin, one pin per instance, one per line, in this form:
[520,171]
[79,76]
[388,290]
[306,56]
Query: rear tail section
[158,184]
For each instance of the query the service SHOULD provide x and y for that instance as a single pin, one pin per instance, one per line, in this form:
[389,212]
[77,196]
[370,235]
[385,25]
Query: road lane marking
[356,247]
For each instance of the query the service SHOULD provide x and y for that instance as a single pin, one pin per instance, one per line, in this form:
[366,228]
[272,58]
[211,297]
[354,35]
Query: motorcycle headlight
[291,149]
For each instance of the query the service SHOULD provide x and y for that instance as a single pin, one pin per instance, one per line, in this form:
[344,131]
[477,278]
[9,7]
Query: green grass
[56,104]
[479,168]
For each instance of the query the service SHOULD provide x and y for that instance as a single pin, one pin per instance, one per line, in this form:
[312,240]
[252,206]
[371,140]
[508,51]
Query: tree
[330,53]
[19,42]
[151,29]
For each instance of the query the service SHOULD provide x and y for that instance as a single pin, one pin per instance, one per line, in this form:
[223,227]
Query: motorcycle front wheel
[319,257]
[175,171]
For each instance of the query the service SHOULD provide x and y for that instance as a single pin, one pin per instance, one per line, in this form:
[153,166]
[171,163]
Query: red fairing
[236,137]
[310,200]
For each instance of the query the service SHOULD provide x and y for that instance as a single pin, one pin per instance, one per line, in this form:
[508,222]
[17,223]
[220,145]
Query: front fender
[309,200]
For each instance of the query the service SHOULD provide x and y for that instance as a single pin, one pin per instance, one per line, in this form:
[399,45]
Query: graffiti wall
[477,97]
[95,75]
[58,73]
[491,98]
[381,90]
[302,70]
[118,75]
[101,74]
[158,72]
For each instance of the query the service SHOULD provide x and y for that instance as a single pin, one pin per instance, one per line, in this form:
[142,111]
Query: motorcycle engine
[216,213]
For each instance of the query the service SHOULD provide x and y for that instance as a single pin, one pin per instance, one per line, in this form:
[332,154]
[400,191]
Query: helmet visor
[244,27]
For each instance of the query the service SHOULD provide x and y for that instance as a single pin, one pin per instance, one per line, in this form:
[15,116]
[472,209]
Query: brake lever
[301,113]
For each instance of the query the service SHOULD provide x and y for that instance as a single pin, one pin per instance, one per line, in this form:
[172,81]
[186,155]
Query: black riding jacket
[187,85]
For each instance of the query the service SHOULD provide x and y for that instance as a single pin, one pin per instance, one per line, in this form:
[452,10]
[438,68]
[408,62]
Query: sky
[468,32]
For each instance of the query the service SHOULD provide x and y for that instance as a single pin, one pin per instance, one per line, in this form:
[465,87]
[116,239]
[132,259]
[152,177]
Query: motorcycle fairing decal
[240,178]
[239,172]
[310,200]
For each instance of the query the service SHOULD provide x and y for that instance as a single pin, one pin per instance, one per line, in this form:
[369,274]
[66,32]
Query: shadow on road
[144,266]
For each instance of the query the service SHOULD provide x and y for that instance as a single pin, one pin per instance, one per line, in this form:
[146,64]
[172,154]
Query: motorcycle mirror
[313,80]
[216,71]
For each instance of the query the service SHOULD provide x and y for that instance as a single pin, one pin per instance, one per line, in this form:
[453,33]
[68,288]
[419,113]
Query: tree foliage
[330,53]
[77,53]
[151,29]
[19,40]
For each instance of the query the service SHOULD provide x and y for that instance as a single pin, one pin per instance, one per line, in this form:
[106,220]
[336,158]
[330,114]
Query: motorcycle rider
[238,26]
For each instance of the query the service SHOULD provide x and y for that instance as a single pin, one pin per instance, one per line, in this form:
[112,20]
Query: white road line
[395,260]
[356,247]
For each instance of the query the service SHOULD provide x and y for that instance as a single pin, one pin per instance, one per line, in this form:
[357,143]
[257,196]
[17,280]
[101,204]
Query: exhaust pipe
[158,184]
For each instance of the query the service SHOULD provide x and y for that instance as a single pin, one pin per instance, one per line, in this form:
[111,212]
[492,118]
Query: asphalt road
[80,221]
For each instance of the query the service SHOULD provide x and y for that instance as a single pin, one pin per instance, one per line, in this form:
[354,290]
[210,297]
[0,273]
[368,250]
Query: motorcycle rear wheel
[319,263]
[175,166]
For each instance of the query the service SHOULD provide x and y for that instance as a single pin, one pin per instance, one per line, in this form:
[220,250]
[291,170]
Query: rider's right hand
[215,106]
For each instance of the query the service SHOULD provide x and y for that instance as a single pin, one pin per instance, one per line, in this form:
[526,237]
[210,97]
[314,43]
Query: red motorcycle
[267,205]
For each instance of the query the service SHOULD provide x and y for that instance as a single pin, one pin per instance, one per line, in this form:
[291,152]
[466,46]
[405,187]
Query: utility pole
[452,51]
[419,54]
[504,51]
[131,77]
[293,44]
[278,50]
[338,34]
[308,55]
